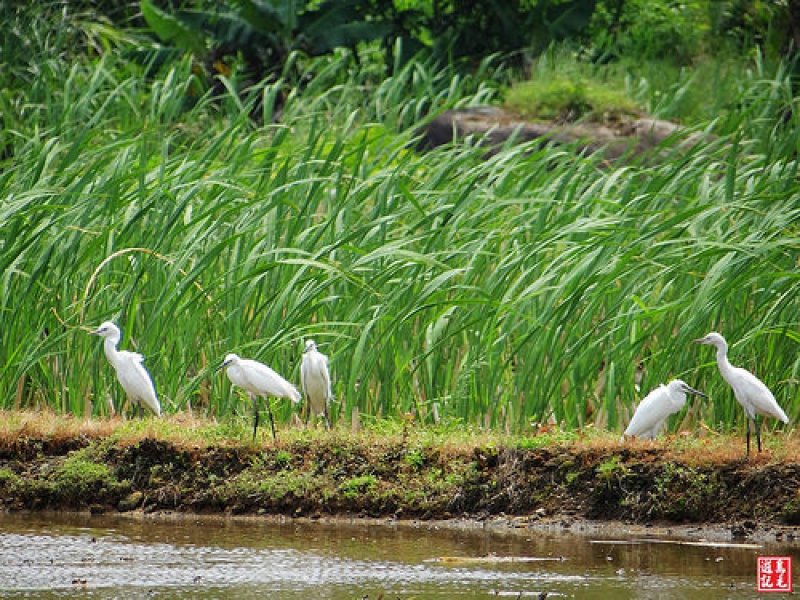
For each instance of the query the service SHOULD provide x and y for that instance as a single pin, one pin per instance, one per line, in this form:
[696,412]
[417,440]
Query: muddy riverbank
[102,467]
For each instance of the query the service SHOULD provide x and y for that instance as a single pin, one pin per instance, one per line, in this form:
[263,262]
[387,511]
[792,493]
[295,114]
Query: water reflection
[56,556]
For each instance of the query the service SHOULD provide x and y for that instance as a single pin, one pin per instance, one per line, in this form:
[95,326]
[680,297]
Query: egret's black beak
[697,392]
[222,366]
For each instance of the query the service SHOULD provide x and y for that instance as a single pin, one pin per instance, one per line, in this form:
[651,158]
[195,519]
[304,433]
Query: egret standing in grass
[652,412]
[257,379]
[750,392]
[132,375]
[316,381]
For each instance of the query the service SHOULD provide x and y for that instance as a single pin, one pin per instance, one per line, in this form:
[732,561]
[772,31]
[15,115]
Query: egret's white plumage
[132,375]
[316,380]
[750,391]
[656,407]
[257,379]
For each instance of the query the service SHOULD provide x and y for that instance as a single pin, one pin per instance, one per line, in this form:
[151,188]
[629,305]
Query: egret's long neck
[725,367]
[110,348]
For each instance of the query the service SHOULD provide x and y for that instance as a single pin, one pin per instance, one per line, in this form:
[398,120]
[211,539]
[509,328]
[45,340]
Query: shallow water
[76,555]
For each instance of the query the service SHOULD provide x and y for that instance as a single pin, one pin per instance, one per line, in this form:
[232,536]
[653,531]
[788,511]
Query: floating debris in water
[493,558]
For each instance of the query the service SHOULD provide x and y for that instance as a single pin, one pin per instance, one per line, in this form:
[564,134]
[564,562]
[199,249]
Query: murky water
[81,556]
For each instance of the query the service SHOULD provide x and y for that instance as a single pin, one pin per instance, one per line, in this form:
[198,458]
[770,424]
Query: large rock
[624,139]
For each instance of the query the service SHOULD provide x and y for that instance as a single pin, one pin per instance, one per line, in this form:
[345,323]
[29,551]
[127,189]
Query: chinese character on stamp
[774,574]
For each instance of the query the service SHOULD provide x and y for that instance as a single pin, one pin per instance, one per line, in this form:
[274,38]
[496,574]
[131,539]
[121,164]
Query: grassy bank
[189,465]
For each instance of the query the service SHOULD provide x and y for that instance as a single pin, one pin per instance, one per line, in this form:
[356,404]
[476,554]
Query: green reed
[531,285]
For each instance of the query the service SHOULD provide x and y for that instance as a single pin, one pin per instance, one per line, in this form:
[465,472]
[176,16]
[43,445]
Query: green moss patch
[569,99]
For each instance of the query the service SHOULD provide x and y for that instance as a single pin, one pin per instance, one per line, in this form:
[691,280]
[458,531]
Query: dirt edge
[401,480]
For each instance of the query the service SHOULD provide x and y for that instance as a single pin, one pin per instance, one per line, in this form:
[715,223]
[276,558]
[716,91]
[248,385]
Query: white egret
[257,379]
[316,381]
[132,375]
[750,392]
[653,410]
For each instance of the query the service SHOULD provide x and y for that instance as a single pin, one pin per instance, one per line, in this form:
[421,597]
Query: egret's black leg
[271,420]
[327,420]
[747,428]
[757,425]
[255,411]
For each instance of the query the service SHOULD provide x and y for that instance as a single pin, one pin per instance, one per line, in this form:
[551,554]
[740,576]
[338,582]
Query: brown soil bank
[405,474]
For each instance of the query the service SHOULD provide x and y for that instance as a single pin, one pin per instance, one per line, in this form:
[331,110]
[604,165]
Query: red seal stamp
[774,573]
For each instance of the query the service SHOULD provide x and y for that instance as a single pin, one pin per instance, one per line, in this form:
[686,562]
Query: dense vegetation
[534,285]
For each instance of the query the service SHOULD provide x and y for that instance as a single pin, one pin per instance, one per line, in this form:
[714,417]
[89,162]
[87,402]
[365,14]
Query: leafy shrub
[9,481]
[356,486]
[651,30]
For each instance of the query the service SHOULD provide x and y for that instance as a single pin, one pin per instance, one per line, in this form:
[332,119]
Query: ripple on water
[31,562]
[49,557]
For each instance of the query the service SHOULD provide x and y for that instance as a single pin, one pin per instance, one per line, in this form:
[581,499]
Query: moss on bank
[408,473]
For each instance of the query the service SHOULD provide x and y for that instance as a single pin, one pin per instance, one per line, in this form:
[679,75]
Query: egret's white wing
[136,381]
[316,380]
[652,411]
[755,396]
[258,378]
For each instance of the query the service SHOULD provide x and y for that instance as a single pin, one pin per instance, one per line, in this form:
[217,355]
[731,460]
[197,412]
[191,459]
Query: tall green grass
[527,286]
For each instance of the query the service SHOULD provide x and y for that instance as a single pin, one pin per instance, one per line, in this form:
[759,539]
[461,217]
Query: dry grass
[185,430]
[705,447]
[50,425]
[178,428]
